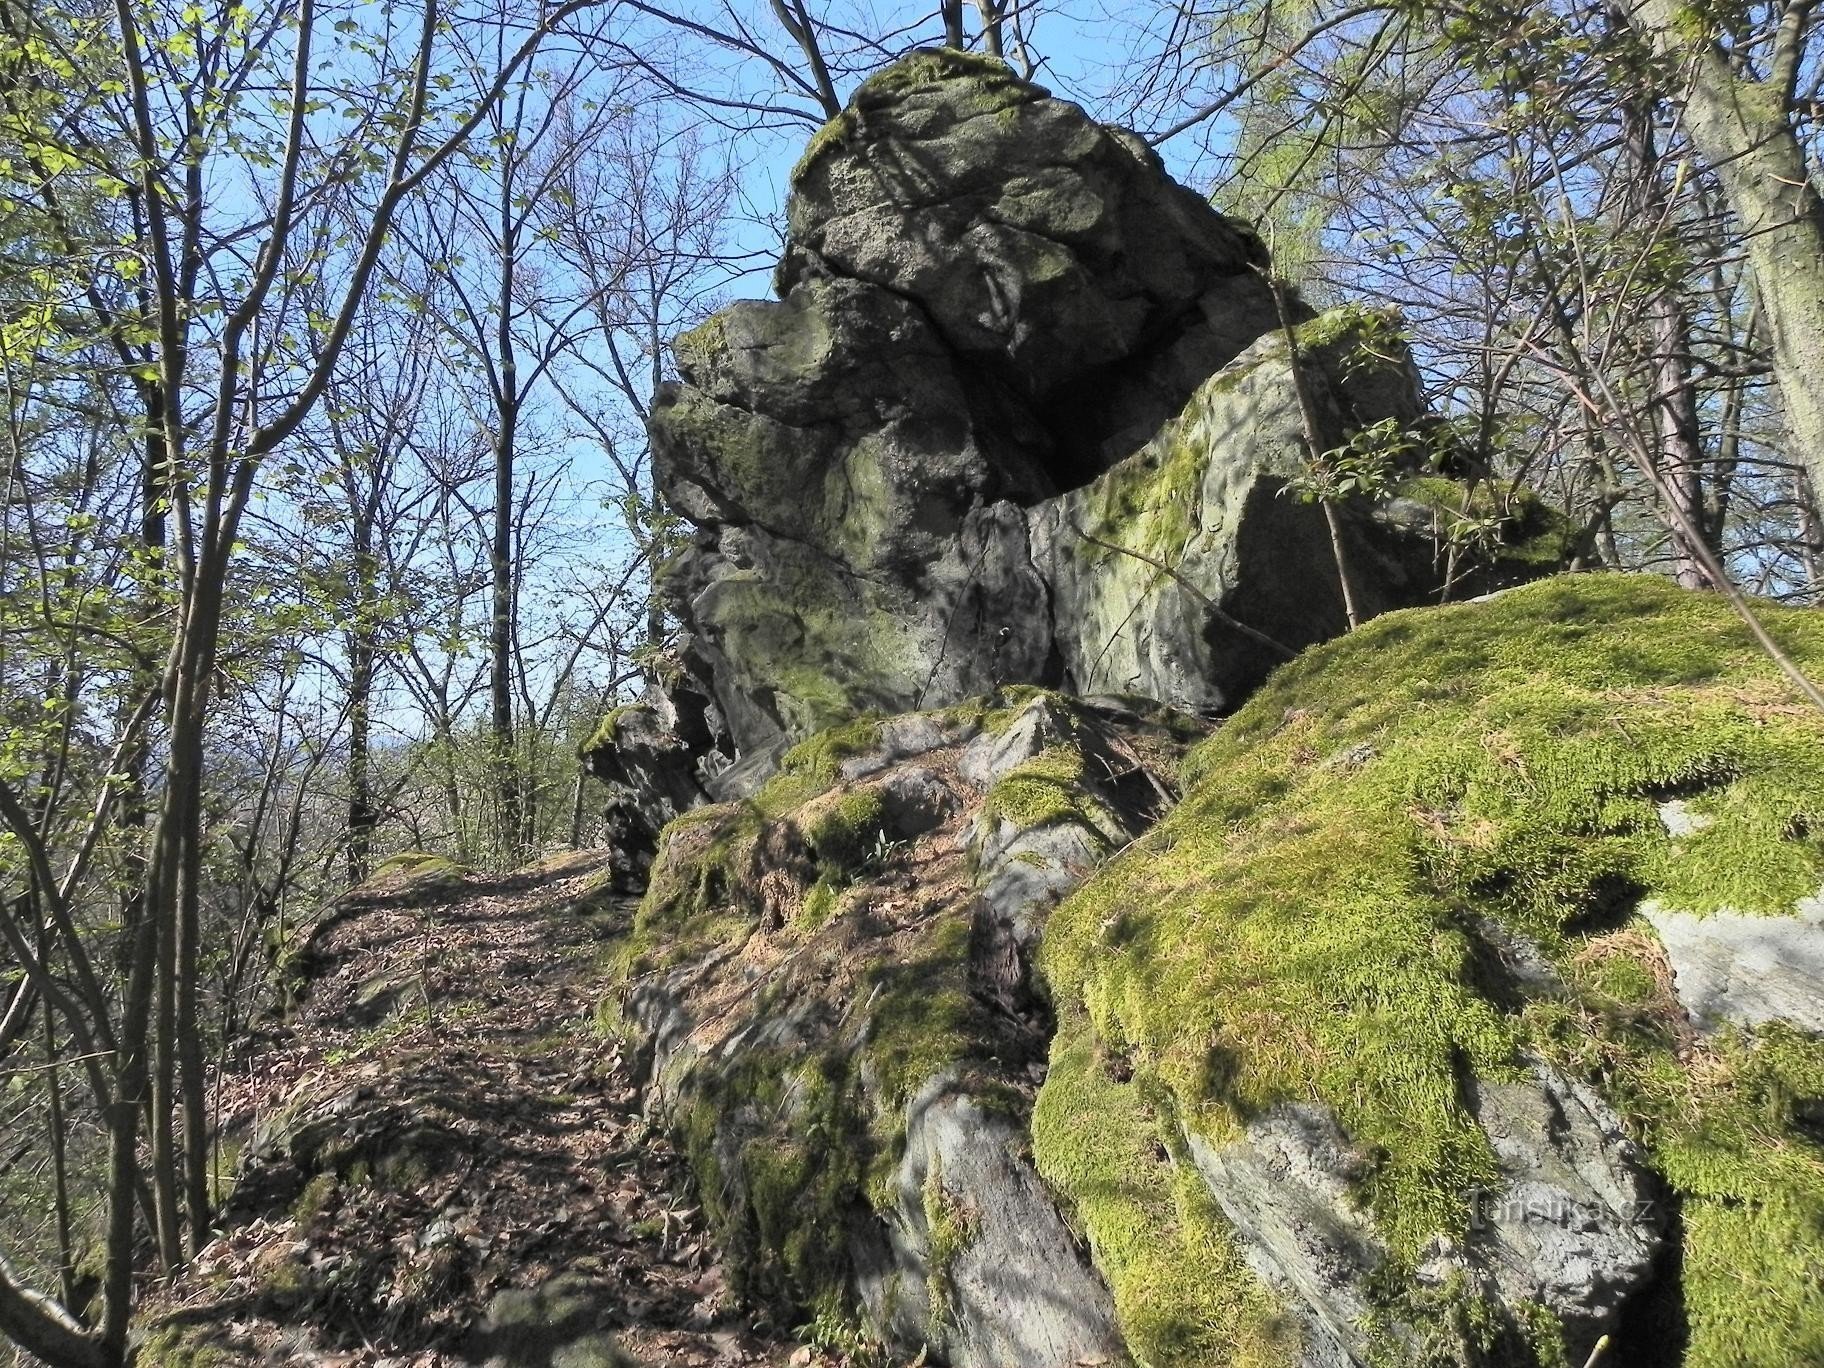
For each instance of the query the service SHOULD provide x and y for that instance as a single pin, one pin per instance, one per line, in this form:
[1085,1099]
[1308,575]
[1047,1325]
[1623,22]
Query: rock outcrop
[1026,411]
[831,990]
[1459,1013]
[1365,1050]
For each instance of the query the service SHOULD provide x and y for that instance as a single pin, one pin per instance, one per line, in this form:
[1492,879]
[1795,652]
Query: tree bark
[953,24]
[992,22]
[1744,129]
[362,816]
[1671,389]
[43,1329]
[500,550]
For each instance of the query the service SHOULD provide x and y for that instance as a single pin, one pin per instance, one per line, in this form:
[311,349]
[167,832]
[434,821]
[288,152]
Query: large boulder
[989,304]
[1380,1045]
[1397,984]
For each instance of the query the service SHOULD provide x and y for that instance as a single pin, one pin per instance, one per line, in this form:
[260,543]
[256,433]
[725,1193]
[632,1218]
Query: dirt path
[440,1123]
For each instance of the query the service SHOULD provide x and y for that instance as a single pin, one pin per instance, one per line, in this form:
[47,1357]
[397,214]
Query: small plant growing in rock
[884,851]
[1365,465]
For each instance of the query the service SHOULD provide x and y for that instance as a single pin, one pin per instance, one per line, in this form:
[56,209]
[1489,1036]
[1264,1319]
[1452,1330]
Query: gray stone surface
[1578,1221]
[1019,1290]
[1746,970]
[1046,250]
[556,1324]
[651,771]
[990,756]
[1186,573]
[906,738]
[1575,1225]
[1286,1188]
[989,303]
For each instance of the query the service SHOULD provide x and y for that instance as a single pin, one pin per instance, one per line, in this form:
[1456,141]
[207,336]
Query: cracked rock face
[1573,1226]
[847,1048]
[990,305]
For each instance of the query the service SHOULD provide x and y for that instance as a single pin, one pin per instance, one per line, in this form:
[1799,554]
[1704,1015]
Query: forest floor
[446,1161]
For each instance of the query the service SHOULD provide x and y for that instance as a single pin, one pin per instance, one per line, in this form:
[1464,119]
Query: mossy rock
[606,731]
[996,82]
[805,981]
[1331,917]
[556,1324]
[412,872]
[183,1341]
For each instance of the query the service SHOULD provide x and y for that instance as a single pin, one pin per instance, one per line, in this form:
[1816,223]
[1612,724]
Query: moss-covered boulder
[1373,1052]
[830,990]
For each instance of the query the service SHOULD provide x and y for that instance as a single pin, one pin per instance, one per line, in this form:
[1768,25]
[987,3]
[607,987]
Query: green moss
[832,135]
[1513,525]
[1151,502]
[1306,925]
[844,830]
[789,1146]
[708,339]
[950,1225]
[745,451]
[819,905]
[690,903]
[820,757]
[416,865]
[778,1192]
[1048,789]
[832,650]
[605,734]
[994,713]
[919,1020]
[313,1201]
[997,89]
[929,66]
[700,894]
[288,1281]
[1182,1293]
[178,1344]
[1354,327]
[403,1171]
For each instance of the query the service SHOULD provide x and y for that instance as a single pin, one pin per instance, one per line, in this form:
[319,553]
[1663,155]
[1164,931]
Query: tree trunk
[992,22]
[192,1079]
[500,560]
[43,1329]
[362,817]
[500,642]
[953,23]
[1744,129]
[1671,391]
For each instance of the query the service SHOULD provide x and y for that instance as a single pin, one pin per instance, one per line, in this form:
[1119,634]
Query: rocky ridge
[979,1034]
[1398,1037]
[1026,412]
[1451,1003]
